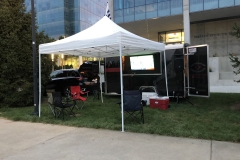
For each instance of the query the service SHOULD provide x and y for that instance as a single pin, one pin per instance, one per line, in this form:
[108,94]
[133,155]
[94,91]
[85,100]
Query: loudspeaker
[178,64]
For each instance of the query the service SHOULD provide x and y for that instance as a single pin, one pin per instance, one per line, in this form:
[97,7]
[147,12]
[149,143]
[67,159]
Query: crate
[147,92]
[159,102]
[147,95]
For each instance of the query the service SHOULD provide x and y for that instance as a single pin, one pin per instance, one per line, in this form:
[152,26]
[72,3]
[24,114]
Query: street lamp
[35,111]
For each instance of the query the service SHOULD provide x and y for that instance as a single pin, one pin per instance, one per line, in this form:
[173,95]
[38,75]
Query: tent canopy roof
[103,39]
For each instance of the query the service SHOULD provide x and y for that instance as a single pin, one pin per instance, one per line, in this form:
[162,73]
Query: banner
[198,76]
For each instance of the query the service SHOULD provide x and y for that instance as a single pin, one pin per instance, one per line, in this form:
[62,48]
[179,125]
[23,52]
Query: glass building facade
[126,11]
[135,10]
[66,17]
[201,5]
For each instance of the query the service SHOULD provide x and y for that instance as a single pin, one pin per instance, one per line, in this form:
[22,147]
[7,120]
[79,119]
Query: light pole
[35,111]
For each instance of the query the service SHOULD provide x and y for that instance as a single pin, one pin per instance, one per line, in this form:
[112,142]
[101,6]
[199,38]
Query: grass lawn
[214,118]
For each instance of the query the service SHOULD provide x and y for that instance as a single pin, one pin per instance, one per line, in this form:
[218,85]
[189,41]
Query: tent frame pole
[99,72]
[39,88]
[165,66]
[121,81]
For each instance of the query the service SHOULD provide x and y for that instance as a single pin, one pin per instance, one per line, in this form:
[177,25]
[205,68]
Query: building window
[87,59]
[171,37]
[128,3]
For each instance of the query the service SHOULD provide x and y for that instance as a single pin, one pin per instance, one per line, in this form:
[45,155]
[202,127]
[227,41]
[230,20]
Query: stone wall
[216,35]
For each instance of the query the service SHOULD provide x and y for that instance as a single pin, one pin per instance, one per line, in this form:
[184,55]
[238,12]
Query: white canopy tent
[103,39]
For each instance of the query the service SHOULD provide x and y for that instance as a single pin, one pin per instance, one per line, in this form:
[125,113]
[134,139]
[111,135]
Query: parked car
[61,80]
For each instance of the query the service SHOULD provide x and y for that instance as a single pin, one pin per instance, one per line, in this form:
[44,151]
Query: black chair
[61,106]
[133,104]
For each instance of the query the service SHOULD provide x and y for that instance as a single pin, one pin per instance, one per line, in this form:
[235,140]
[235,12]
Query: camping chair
[61,106]
[76,93]
[133,104]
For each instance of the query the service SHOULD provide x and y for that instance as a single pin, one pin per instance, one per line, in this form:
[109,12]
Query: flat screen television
[142,65]
[142,62]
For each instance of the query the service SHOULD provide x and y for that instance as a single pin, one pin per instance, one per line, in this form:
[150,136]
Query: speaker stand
[184,98]
[178,95]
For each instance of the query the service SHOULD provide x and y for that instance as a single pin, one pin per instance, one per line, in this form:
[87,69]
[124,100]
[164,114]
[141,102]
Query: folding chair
[133,104]
[61,106]
[76,93]
[50,100]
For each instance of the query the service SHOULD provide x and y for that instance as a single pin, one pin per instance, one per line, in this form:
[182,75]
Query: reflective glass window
[44,5]
[84,25]
[50,16]
[55,29]
[118,4]
[82,13]
[28,5]
[224,3]
[118,16]
[94,8]
[128,3]
[62,17]
[164,8]
[139,2]
[140,13]
[76,27]
[210,4]
[176,7]
[76,3]
[151,1]
[237,2]
[151,10]
[128,14]
[76,14]
[85,4]
[196,5]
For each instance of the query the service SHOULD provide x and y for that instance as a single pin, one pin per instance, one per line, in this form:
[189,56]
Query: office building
[66,17]
[211,21]
[63,18]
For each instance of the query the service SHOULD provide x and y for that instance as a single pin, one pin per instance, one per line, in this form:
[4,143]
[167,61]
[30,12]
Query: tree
[16,60]
[234,59]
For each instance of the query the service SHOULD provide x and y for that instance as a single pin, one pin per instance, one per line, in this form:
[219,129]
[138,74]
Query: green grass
[214,118]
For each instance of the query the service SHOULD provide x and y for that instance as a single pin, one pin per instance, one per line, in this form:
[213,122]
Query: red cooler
[159,102]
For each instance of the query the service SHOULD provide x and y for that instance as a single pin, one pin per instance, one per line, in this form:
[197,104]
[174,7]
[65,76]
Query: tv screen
[142,62]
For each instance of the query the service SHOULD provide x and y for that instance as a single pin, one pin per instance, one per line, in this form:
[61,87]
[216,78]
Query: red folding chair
[76,94]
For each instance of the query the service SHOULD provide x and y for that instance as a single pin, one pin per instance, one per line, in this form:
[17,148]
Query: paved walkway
[28,141]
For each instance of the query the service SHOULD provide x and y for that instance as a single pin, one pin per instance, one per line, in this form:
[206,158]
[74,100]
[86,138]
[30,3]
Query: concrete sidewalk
[28,141]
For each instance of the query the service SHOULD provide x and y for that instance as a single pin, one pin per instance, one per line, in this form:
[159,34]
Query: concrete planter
[213,78]
[214,64]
